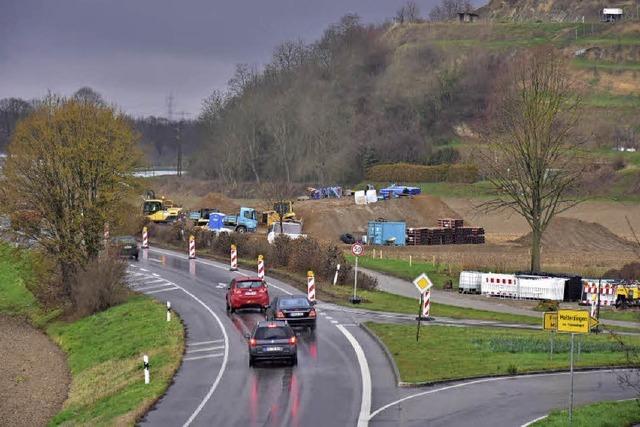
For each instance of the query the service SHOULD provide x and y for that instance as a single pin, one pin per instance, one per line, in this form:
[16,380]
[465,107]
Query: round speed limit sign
[357,249]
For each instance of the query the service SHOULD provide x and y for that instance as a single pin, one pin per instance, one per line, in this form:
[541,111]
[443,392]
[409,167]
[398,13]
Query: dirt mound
[218,201]
[329,218]
[574,235]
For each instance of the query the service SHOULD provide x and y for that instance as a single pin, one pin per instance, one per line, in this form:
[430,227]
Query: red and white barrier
[594,306]
[590,293]
[260,267]
[335,277]
[311,286]
[426,305]
[192,247]
[234,258]
[145,238]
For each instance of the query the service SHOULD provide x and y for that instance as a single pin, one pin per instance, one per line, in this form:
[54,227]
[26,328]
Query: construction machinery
[160,210]
[279,208]
[245,220]
[627,295]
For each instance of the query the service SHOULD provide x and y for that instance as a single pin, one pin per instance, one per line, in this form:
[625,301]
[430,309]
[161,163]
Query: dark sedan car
[126,246]
[272,340]
[295,309]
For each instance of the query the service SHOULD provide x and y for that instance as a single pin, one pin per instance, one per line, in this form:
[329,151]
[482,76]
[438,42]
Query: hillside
[552,10]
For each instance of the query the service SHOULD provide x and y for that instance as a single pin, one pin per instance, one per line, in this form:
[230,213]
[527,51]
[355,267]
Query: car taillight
[279,314]
[253,342]
[263,290]
[312,313]
[292,340]
[237,291]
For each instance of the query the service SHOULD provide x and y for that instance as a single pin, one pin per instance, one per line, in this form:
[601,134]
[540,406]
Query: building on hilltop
[466,17]
[611,14]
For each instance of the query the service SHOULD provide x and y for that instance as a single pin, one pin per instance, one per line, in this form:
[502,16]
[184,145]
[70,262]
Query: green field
[627,316]
[105,357]
[438,273]
[104,351]
[603,414]
[445,352]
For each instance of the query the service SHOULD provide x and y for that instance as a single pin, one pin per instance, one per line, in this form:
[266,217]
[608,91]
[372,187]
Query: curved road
[343,377]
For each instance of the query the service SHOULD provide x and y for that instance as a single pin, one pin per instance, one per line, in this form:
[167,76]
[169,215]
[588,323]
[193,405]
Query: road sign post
[423,284]
[357,250]
[550,323]
[571,392]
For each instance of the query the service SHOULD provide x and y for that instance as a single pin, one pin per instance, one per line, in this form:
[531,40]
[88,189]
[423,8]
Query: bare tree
[532,154]
[12,110]
[88,95]
[448,9]
[409,12]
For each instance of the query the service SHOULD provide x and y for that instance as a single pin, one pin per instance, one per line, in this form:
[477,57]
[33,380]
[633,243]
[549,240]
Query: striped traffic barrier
[145,365]
[234,258]
[192,247]
[260,267]
[145,238]
[311,287]
[426,305]
[335,277]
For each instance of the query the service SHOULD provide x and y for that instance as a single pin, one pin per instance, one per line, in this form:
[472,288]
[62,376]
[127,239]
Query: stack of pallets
[450,231]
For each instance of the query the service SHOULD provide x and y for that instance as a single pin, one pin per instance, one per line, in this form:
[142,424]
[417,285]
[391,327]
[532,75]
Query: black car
[272,340]
[126,246]
[295,309]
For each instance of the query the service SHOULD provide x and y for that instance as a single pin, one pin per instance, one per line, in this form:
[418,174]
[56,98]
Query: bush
[547,305]
[279,253]
[446,155]
[365,282]
[407,172]
[98,286]
[629,272]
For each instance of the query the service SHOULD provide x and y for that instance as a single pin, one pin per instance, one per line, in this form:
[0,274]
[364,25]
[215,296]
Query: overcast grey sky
[136,52]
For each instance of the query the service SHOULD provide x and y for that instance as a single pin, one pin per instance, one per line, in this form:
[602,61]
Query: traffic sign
[357,249]
[423,283]
[575,321]
[550,322]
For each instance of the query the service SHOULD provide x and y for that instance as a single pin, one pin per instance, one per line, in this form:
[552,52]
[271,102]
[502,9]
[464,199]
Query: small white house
[611,14]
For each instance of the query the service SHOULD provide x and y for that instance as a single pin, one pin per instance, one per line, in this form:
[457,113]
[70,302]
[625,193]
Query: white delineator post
[260,267]
[145,361]
[168,311]
[192,247]
[234,258]
[106,233]
[311,286]
[426,305]
[145,238]
[335,277]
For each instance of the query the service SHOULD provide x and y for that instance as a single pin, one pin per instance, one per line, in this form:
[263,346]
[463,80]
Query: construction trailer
[611,14]
[522,286]
[393,233]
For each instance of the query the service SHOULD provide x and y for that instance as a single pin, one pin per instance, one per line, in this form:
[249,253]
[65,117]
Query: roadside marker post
[145,238]
[311,287]
[260,267]
[357,250]
[234,258]
[106,234]
[423,284]
[192,247]
[168,311]
[573,322]
[335,277]
[145,364]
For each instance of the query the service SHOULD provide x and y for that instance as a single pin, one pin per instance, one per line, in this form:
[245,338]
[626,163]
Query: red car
[247,293]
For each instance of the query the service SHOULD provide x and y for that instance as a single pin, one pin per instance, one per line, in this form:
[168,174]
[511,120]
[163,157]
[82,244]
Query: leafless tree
[12,110]
[533,157]
[408,13]
[88,95]
[448,9]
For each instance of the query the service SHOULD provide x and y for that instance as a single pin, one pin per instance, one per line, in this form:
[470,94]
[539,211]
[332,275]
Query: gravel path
[34,379]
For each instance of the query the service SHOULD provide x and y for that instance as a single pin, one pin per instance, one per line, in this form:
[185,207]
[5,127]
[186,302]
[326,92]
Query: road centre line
[152,287]
[199,350]
[479,381]
[204,342]
[209,356]
[365,403]
[162,290]
[534,421]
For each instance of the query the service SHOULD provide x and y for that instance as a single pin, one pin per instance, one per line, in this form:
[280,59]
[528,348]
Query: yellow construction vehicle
[627,295]
[279,208]
[160,210]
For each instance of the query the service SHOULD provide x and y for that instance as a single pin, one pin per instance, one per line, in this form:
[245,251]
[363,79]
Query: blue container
[215,220]
[382,232]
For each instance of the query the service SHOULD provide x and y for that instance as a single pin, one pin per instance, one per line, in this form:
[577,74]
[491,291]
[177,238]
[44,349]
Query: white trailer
[523,286]
[470,282]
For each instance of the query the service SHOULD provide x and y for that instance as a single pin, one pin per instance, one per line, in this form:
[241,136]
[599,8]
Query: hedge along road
[330,385]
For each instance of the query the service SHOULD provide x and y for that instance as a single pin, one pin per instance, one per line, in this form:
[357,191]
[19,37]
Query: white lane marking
[144,269]
[155,260]
[483,380]
[534,421]
[329,317]
[149,288]
[335,322]
[162,290]
[200,350]
[147,282]
[349,324]
[279,288]
[204,342]
[209,356]
[365,403]
[221,285]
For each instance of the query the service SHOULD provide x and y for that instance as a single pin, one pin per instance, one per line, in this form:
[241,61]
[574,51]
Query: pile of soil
[34,379]
[574,235]
[329,218]
[218,201]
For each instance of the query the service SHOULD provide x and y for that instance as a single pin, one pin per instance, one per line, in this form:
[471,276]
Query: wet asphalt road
[216,387]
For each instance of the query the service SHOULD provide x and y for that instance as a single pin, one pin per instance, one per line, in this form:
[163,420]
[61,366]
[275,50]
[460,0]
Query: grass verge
[601,414]
[627,316]
[455,353]
[105,358]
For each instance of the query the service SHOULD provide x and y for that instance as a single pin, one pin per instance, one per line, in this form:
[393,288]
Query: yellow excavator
[279,208]
[159,210]
[627,295]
